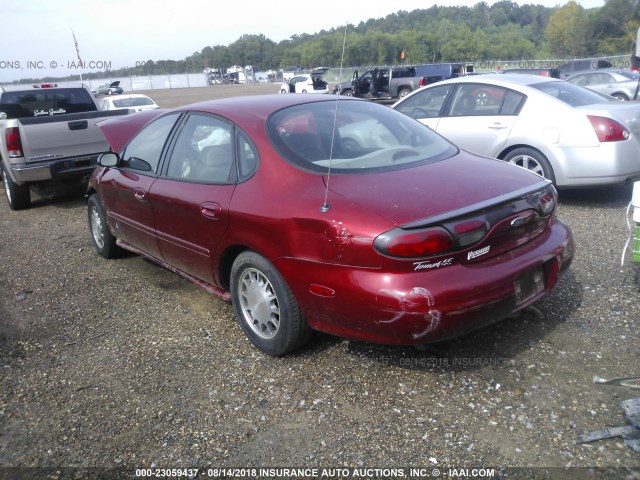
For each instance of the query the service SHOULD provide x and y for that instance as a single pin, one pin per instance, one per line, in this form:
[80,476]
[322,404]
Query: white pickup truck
[48,134]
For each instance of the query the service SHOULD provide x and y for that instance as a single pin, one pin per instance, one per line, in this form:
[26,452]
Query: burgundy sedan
[331,214]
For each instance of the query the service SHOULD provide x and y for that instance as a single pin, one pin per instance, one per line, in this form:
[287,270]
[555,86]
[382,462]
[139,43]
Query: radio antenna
[325,206]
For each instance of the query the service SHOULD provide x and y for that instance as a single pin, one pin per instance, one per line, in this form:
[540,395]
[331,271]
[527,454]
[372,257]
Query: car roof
[499,79]
[599,70]
[247,108]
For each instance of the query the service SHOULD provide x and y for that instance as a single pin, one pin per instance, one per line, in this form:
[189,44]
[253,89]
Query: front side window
[351,136]
[144,151]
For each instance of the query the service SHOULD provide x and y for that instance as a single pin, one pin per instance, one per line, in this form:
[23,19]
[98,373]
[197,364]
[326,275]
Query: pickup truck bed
[48,135]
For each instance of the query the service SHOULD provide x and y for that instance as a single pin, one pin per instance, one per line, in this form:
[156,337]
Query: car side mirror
[108,159]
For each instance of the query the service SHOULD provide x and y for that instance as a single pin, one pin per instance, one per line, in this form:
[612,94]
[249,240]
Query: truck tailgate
[72,135]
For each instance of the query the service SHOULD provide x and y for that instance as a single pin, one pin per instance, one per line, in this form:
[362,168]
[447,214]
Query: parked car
[569,134]
[571,66]
[621,84]
[544,72]
[410,241]
[112,88]
[313,82]
[135,102]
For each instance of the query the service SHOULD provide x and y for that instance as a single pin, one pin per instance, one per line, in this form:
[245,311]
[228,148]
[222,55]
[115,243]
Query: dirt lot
[119,364]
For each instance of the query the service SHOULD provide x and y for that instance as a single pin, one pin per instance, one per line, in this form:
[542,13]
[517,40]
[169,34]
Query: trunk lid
[119,131]
[430,192]
[491,207]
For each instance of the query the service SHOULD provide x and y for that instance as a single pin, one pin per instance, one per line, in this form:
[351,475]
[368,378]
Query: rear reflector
[608,130]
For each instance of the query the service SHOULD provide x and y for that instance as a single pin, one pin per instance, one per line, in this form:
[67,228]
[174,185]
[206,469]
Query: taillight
[14,145]
[547,201]
[608,130]
[414,244]
[423,82]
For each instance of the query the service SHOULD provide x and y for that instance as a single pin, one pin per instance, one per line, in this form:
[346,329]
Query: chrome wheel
[533,160]
[259,303]
[528,162]
[103,239]
[97,229]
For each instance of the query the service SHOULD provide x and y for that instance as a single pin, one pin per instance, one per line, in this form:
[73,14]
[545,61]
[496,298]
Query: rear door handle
[497,126]
[211,210]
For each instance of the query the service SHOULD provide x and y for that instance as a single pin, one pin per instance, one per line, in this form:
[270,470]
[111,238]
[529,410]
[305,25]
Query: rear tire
[103,239]
[266,309]
[532,160]
[18,196]
[403,92]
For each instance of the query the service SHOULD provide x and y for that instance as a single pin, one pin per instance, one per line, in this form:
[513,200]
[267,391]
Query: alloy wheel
[259,303]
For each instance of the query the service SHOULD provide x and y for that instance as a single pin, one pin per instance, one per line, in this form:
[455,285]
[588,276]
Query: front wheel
[266,309]
[18,195]
[103,239]
[532,160]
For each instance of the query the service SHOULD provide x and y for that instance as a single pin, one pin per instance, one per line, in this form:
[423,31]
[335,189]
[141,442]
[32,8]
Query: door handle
[211,210]
[497,126]
[139,194]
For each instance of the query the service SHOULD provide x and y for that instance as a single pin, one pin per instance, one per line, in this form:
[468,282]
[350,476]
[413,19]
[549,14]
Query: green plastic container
[636,244]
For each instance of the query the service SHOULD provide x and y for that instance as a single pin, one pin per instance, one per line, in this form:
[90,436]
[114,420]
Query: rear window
[132,102]
[629,75]
[45,102]
[571,94]
[351,136]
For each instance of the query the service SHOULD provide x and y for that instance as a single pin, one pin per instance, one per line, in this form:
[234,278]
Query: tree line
[502,31]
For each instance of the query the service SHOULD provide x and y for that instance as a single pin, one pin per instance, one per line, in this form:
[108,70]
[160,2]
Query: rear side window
[45,102]
[485,100]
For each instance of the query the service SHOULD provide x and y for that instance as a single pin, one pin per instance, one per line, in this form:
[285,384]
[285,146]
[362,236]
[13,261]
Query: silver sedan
[571,135]
[621,84]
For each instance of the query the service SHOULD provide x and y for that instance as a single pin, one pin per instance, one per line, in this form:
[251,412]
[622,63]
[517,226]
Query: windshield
[367,138]
[571,94]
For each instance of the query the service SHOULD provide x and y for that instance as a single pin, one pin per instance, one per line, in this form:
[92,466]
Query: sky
[37,38]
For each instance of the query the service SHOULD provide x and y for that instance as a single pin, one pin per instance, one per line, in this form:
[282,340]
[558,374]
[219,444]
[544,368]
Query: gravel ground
[119,364]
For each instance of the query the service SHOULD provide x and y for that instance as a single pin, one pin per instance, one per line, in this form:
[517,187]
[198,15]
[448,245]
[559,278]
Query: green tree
[615,26]
[567,32]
